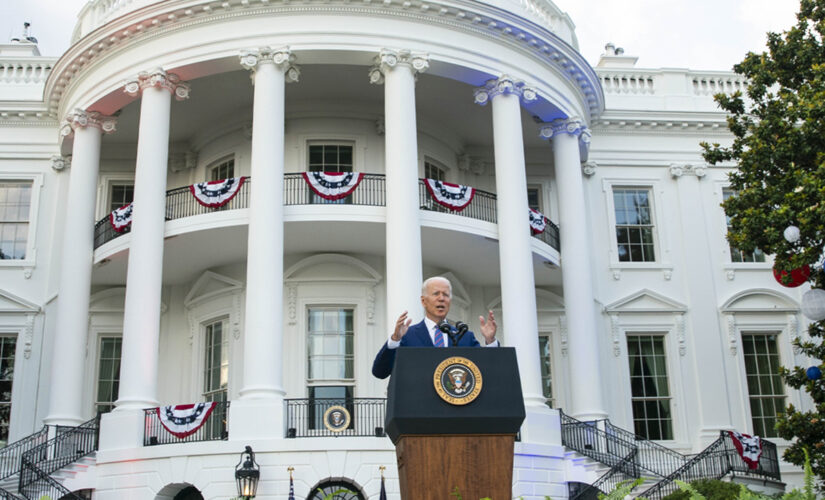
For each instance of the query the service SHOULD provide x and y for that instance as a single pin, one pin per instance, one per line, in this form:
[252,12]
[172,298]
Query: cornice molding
[478,18]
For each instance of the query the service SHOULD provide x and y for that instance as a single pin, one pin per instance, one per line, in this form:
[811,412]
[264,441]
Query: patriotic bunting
[184,420]
[537,222]
[333,185]
[291,486]
[453,196]
[121,218]
[748,447]
[216,193]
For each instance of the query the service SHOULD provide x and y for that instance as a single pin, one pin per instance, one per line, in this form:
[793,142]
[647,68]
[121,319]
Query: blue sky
[695,34]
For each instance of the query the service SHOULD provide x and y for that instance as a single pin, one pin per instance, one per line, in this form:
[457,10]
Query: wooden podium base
[431,467]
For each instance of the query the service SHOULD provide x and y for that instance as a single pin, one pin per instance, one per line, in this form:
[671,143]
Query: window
[765,389]
[120,195]
[634,224]
[108,374]
[546,369]
[534,198]
[650,396]
[223,170]
[7,349]
[216,362]
[330,366]
[433,171]
[15,209]
[330,158]
[737,255]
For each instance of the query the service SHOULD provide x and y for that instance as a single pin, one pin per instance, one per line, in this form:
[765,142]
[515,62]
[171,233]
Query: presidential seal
[337,418]
[457,380]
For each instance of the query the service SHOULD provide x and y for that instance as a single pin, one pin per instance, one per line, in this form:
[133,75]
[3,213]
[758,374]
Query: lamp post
[247,474]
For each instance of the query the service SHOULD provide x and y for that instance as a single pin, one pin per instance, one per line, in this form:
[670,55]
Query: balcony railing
[370,192]
[214,429]
[305,417]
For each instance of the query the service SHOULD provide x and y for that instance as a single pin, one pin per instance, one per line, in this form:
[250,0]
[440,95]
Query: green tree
[779,148]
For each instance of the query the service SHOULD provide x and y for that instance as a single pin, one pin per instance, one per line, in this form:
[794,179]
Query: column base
[541,426]
[122,429]
[256,419]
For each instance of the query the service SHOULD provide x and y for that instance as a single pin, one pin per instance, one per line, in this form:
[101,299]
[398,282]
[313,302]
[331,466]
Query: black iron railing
[69,445]
[8,495]
[370,192]
[305,417]
[626,470]
[214,429]
[11,454]
[716,461]
[590,441]
[653,457]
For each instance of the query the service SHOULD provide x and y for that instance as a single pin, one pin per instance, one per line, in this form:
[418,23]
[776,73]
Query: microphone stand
[455,335]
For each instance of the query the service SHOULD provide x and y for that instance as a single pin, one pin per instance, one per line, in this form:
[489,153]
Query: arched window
[342,489]
[189,493]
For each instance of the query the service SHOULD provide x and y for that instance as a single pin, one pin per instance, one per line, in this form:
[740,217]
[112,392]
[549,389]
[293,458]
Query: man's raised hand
[401,327]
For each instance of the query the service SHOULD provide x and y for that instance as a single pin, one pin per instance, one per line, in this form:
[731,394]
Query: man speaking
[436,295]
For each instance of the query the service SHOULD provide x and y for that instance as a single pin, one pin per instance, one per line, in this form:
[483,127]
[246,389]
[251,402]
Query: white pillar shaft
[72,321]
[263,342]
[585,372]
[404,268]
[141,319]
[518,291]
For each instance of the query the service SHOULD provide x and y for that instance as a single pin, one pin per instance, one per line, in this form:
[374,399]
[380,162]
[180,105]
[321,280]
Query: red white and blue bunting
[453,196]
[538,222]
[121,218]
[216,193]
[333,185]
[184,420]
[748,447]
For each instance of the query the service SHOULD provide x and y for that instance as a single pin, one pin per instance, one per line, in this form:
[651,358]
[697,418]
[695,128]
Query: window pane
[108,373]
[330,352]
[15,205]
[765,388]
[634,224]
[216,362]
[546,371]
[650,395]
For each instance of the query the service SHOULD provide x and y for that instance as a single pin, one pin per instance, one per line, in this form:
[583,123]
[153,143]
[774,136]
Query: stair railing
[625,470]
[8,495]
[10,455]
[652,456]
[587,439]
[68,446]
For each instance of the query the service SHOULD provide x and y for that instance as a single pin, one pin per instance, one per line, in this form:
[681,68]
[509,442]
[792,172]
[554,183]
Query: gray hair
[436,278]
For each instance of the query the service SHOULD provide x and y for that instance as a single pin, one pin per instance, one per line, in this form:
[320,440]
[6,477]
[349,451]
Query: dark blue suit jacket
[416,336]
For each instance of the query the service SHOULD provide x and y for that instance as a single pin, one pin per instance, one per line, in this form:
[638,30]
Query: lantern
[247,474]
[813,373]
[793,278]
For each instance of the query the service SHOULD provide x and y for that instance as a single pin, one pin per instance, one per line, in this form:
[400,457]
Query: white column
[141,319]
[260,409]
[397,70]
[587,402]
[72,319]
[518,290]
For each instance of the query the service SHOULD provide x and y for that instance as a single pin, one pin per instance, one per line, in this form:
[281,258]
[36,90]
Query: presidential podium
[453,415]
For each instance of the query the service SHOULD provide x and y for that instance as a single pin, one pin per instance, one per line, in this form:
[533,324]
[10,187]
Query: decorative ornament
[333,185]
[121,218]
[793,278]
[748,447]
[813,304]
[791,234]
[216,193]
[184,420]
[453,196]
[813,373]
[538,222]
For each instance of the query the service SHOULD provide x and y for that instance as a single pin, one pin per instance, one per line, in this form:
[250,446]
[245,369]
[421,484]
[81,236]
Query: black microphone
[461,329]
[445,327]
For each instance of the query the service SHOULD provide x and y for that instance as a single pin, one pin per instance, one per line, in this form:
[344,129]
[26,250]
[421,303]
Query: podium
[453,415]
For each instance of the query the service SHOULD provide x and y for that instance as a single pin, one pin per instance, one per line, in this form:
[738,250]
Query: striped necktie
[438,337]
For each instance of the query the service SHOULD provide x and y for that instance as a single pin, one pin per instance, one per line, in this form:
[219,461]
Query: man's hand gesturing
[488,327]
[401,327]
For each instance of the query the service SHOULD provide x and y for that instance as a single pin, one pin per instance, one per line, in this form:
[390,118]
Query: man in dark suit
[436,295]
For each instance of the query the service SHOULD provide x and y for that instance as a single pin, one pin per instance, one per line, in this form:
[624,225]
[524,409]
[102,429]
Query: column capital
[568,126]
[157,78]
[282,58]
[80,118]
[388,59]
[678,170]
[59,163]
[504,85]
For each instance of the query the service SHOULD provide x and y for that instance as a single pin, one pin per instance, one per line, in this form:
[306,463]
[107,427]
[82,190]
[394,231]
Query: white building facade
[629,306]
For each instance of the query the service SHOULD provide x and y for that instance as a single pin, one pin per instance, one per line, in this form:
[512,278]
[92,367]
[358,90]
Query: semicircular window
[339,489]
